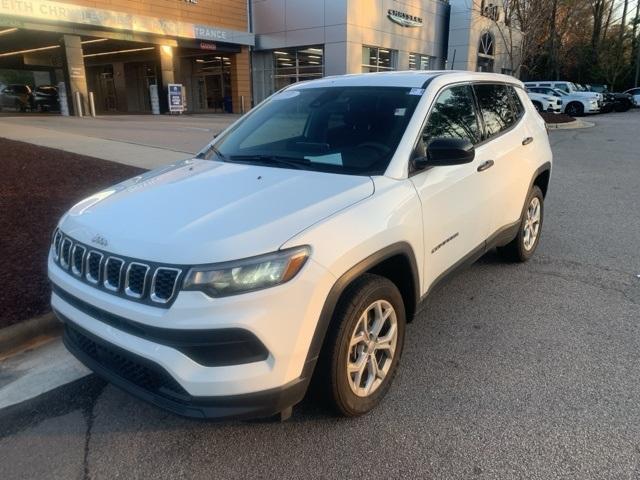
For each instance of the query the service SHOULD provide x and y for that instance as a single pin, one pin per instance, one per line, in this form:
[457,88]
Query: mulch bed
[557,117]
[37,185]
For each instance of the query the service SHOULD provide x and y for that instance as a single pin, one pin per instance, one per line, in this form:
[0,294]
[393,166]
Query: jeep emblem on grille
[100,240]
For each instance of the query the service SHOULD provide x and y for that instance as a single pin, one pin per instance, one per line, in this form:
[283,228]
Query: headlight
[249,274]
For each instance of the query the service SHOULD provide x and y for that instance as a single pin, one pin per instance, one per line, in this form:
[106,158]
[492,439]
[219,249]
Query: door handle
[485,165]
[527,141]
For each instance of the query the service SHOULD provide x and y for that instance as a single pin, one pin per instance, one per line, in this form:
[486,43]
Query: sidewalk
[36,371]
[145,141]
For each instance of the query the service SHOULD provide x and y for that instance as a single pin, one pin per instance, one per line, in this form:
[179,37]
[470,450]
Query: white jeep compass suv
[300,242]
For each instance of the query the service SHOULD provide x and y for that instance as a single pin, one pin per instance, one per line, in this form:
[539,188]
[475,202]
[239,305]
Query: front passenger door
[455,199]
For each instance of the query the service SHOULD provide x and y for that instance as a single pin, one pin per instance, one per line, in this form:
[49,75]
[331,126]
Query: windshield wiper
[211,148]
[275,160]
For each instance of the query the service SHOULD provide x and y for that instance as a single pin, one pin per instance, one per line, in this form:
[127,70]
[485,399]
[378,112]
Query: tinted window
[353,130]
[563,86]
[496,107]
[453,116]
[20,89]
[517,104]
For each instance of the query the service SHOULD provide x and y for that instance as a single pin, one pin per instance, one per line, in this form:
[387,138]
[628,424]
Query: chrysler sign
[404,19]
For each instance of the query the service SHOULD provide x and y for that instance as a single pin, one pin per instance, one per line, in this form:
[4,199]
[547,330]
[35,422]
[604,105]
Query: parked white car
[572,104]
[635,93]
[545,103]
[571,88]
[300,242]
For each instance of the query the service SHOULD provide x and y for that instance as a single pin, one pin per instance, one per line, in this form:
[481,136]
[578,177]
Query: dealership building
[300,40]
[227,54]
[117,49]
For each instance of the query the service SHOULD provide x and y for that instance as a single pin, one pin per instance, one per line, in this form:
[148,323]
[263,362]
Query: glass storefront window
[293,65]
[376,59]
[418,61]
[214,82]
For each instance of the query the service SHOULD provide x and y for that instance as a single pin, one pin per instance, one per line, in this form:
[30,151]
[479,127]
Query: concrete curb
[15,337]
[570,125]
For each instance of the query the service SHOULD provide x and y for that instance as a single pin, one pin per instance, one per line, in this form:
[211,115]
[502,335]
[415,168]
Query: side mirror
[446,151]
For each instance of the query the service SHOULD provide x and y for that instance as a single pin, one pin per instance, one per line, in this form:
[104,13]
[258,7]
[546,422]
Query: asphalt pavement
[512,371]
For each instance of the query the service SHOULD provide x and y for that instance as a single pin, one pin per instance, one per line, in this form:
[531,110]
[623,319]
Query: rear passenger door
[506,143]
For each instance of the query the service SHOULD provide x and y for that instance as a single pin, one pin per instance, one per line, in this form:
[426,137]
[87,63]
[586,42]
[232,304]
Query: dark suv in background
[45,99]
[16,96]
[620,102]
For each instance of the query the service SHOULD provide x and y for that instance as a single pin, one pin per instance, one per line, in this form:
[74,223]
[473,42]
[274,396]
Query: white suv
[577,101]
[300,242]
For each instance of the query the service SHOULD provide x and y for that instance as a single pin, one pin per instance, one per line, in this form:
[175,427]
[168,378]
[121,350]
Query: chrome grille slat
[65,252]
[57,239]
[130,287]
[91,274]
[77,258]
[107,281]
[157,295]
[144,282]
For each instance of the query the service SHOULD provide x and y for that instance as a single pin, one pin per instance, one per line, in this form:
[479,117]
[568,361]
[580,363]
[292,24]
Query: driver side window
[453,116]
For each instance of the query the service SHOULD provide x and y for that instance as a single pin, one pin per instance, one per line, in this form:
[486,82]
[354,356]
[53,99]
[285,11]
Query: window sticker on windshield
[330,159]
[416,91]
[400,112]
[286,94]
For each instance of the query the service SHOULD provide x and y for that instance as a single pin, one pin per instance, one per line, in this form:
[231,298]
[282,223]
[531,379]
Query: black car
[45,99]
[620,102]
[16,96]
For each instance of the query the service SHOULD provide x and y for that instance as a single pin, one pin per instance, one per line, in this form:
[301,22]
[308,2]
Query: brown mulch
[37,185]
[557,117]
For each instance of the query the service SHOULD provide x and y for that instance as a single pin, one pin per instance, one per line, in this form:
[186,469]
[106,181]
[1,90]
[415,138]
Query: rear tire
[574,109]
[363,346]
[522,248]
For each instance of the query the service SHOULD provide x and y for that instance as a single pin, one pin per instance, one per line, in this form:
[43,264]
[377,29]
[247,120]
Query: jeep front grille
[145,282]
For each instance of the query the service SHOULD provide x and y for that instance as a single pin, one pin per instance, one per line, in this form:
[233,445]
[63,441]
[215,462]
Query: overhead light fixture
[18,52]
[131,50]
[278,52]
[8,30]
[318,50]
[96,40]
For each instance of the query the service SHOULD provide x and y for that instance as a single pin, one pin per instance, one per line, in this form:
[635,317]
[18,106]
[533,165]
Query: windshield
[561,92]
[351,130]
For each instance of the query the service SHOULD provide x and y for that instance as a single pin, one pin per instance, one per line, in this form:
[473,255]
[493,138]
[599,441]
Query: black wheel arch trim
[341,284]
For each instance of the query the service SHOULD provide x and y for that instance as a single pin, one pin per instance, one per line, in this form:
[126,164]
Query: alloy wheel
[531,227]
[372,348]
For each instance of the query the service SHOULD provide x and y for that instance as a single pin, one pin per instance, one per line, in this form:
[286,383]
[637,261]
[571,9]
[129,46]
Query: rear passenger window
[453,116]
[496,107]
[517,104]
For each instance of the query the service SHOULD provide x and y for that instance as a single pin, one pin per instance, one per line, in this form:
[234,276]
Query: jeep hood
[200,211]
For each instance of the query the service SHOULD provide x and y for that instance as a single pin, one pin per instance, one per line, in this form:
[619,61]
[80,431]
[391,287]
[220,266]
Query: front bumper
[283,319]
[147,381]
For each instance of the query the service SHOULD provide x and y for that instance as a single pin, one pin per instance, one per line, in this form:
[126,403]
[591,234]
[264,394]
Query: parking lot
[511,371]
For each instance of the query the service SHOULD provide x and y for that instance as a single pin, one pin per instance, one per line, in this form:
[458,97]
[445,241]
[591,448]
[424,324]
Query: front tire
[522,248]
[363,346]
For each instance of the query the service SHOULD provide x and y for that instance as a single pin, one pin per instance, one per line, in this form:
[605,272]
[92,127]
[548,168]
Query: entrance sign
[176,102]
